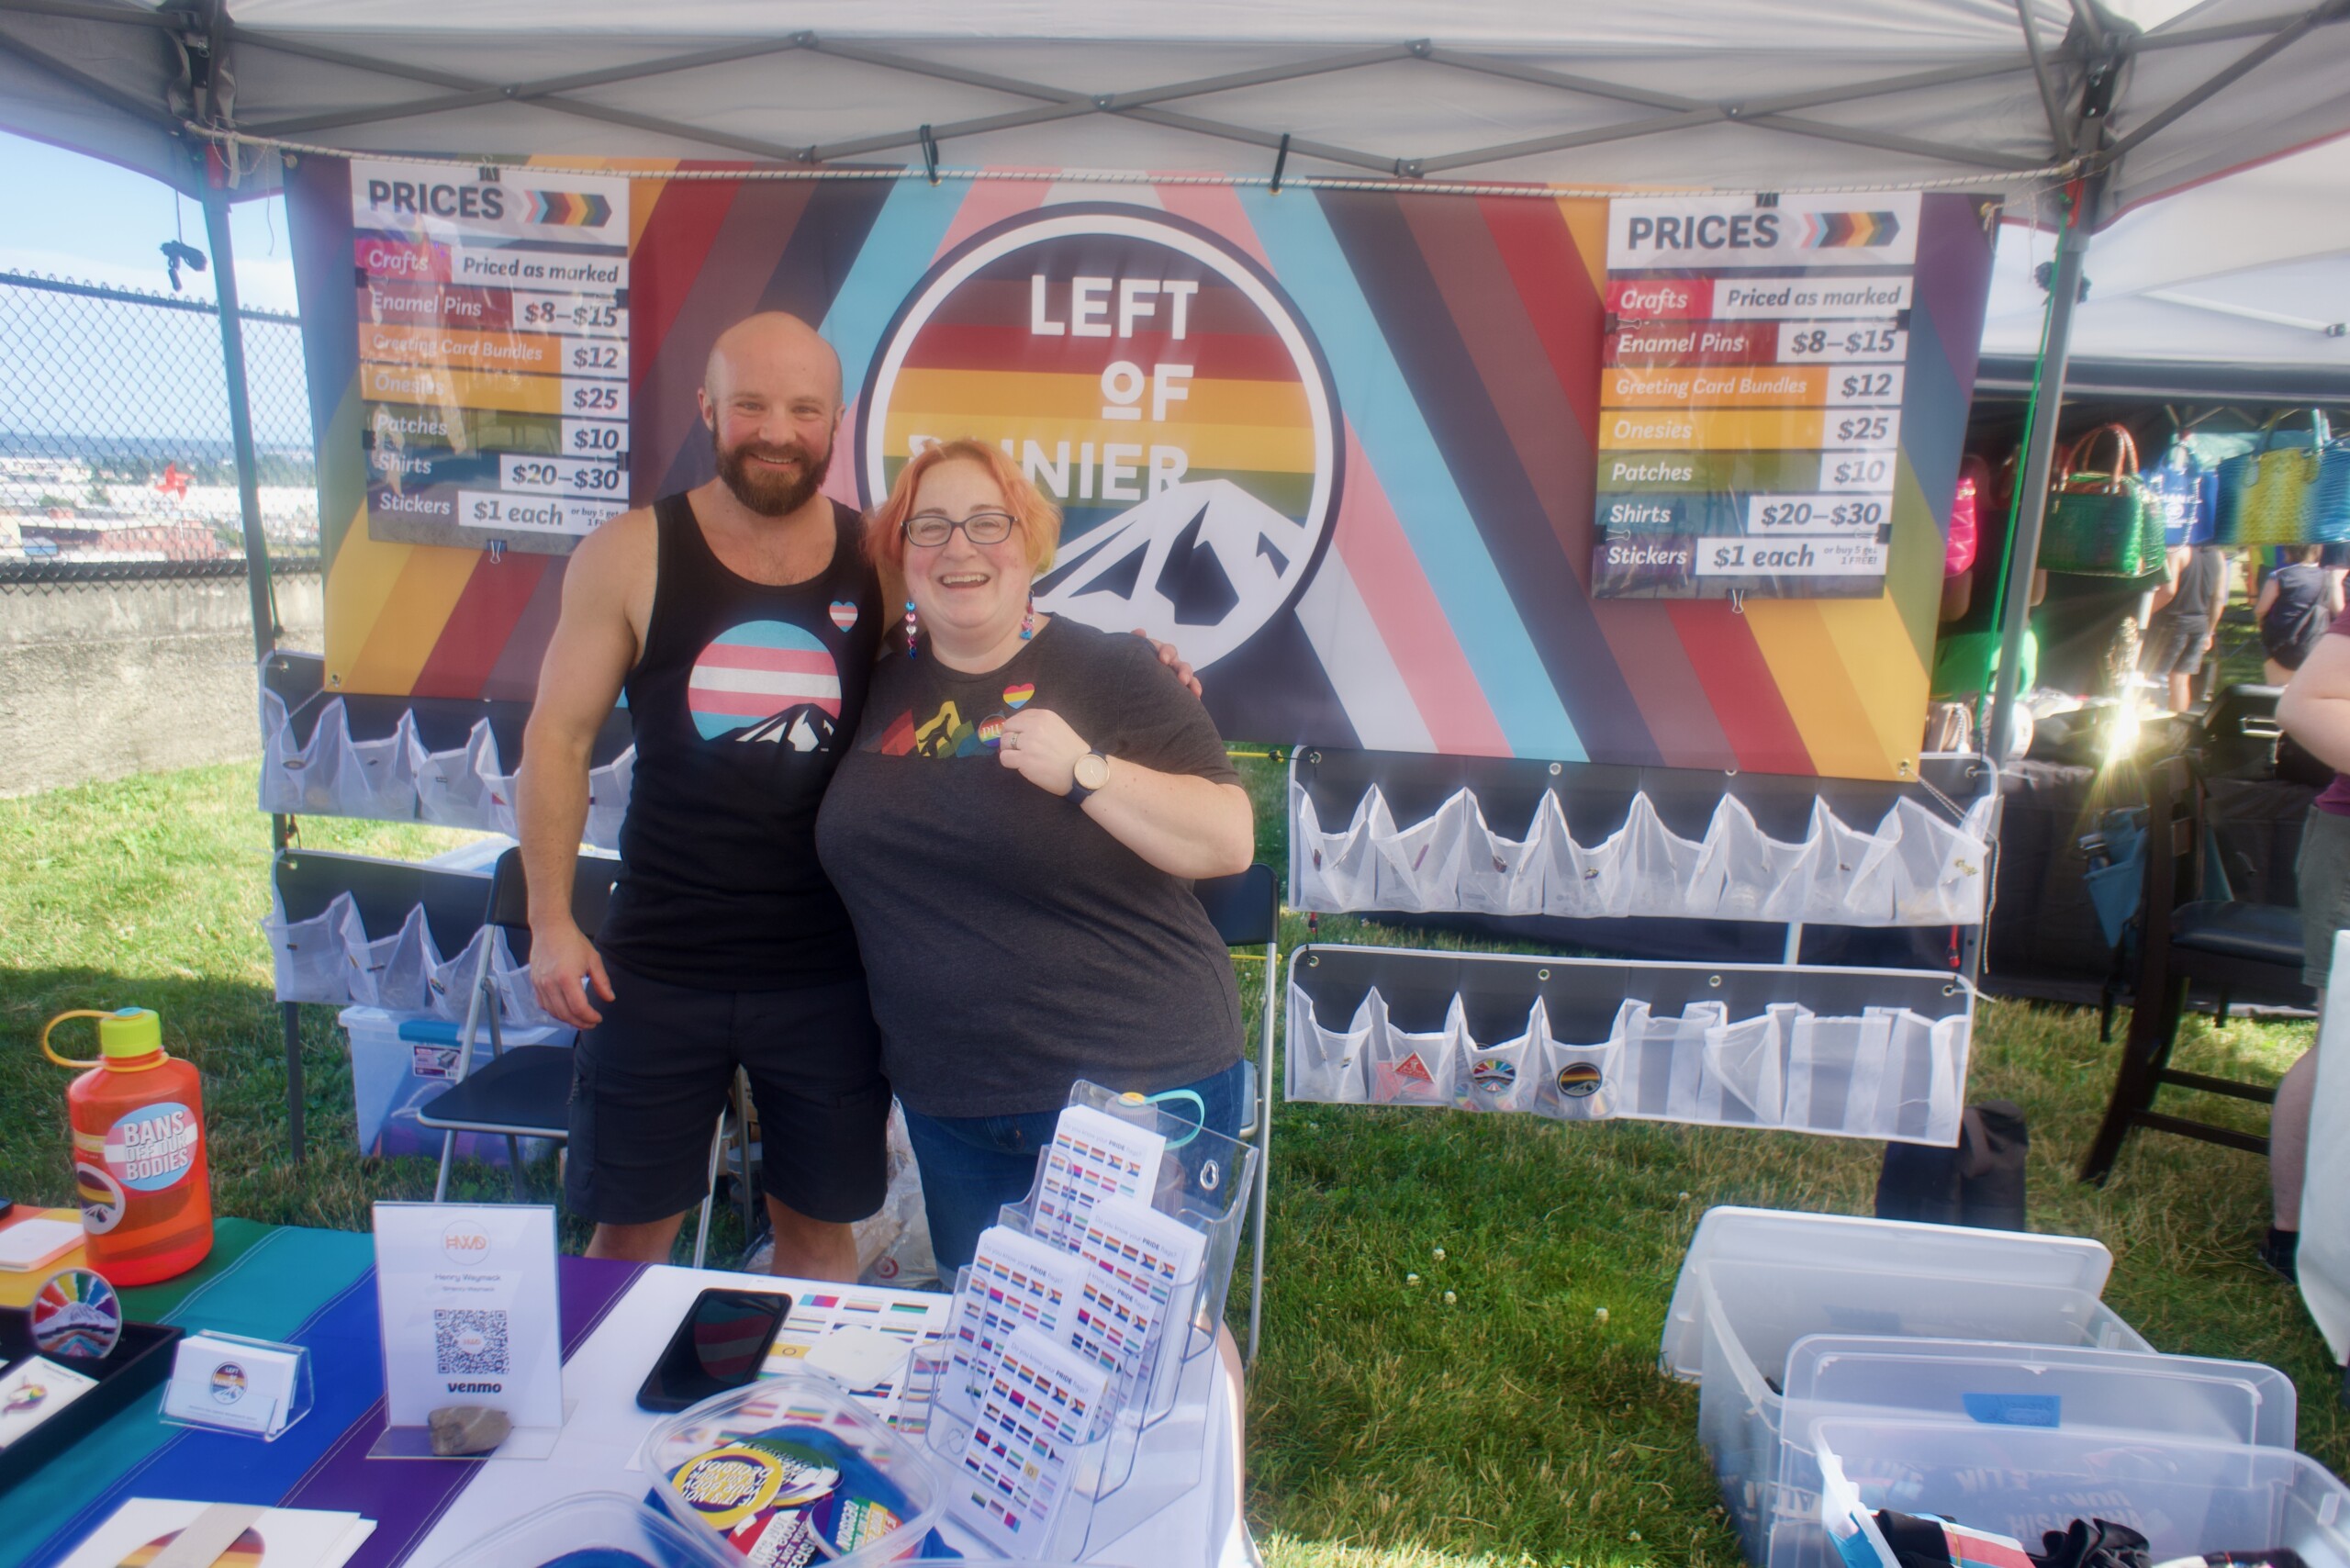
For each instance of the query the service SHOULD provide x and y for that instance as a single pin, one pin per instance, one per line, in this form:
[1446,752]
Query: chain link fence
[115,460]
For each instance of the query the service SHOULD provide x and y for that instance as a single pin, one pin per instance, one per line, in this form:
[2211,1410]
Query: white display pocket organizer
[332,775]
[1499,875]
[393,972]
[1585,882]
[1146,1445]
[332,958]
[1331,1065]
[1409,1067]
[1338,870]
[308,954]
[1578,1083]
[1503,1076]
[1420,867]
[1925,861]
[1719,1045]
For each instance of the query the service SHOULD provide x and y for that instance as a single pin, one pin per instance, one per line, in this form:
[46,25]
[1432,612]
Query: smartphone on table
[721,1344]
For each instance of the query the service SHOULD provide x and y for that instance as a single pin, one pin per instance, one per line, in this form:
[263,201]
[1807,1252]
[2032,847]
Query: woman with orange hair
[1015,831]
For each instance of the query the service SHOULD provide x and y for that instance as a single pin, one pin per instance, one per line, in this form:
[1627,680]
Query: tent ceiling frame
[2093,37]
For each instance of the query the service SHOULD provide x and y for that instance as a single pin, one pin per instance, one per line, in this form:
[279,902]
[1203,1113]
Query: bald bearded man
[741,621]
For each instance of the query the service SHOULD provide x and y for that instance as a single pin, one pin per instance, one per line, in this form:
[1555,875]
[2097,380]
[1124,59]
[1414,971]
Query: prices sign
[1755,366]
[493,349]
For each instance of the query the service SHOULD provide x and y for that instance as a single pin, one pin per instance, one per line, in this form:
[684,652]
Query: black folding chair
[1247,911]
[2228,946]
[526,1091]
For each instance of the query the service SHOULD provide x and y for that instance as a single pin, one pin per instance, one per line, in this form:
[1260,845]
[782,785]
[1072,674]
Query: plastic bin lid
[1991,1383]
[602,1528]
[1871,1246]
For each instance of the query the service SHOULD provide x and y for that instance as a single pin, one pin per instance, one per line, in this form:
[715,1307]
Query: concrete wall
[105,679]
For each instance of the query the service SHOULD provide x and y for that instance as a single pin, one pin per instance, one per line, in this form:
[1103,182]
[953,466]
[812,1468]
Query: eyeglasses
[930,528]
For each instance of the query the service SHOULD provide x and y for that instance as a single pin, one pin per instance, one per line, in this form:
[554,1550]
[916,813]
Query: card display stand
[1412,834]
[1844,1052]
[1148,1440]
[140,1358]
[219,1362]
[442,760]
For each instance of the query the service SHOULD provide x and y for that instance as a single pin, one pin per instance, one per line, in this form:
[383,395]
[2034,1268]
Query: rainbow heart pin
[1017,697]
[844,614]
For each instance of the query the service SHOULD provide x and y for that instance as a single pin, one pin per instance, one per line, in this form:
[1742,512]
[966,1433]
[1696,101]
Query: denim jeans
[972,1166]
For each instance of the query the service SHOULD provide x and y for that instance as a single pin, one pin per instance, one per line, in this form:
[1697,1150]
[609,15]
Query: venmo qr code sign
[469,1342]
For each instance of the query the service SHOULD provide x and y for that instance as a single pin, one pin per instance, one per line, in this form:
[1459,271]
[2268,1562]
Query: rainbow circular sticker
[727,1485]
[1156,384]
[228,1383]
[77,1313]
[1495,1076]
[100,1195]
[1578,1079]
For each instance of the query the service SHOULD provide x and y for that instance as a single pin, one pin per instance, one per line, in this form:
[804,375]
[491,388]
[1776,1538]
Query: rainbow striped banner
[1342,447]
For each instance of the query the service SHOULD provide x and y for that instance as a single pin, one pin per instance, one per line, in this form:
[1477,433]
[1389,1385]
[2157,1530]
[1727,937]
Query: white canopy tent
[2235,288]
[2127,105]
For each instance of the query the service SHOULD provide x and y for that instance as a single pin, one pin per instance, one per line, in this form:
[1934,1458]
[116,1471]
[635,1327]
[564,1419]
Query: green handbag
[2101,522]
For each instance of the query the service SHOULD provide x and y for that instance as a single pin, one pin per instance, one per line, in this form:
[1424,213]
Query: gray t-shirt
[1011,946]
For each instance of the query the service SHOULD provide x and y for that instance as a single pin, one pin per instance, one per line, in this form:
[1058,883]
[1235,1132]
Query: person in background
[1015,831]
[2186,620]
[2314,711]
[2296,602]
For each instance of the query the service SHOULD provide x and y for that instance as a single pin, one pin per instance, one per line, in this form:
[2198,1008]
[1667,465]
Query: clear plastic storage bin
[2033,1388]
[401,1062]
[600,1530]
[2187,1498]
[1851,1277]
[818,1412]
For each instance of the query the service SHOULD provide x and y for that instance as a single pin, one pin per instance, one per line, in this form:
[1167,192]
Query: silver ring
[1011,742]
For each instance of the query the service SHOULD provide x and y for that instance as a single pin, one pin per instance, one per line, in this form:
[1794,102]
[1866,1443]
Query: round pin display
[1578,1079]
[1494,1076]
[991,730]
[77,1313]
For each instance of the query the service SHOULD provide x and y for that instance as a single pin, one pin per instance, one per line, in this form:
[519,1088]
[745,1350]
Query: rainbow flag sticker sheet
[913,1317]
[1472,473]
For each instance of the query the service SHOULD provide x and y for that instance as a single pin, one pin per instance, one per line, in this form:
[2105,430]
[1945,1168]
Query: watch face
[1092,770]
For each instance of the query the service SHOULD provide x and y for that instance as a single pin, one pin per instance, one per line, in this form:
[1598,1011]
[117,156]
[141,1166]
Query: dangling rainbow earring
[1028,622]
[913,628]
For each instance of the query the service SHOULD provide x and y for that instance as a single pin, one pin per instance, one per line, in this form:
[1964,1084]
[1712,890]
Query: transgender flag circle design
[757,675]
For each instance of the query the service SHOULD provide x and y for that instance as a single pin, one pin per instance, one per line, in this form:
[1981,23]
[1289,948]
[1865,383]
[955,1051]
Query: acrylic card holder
[226,1382]
[1069,1401]
[1847,1052]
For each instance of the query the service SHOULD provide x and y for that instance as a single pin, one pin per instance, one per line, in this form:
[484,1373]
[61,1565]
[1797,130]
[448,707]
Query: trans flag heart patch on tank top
[767,681]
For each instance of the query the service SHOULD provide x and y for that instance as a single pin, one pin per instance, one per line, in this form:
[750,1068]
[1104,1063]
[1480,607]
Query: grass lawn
[1522,1422]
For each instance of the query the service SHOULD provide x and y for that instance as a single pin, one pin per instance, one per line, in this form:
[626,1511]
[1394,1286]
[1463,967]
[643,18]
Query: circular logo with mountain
[1153,381]
[1578,1079]
[767,681]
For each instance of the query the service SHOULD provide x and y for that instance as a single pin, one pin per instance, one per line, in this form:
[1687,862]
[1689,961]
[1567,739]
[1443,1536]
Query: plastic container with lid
[599,1530]
[2186,1496]
[2031,1387]
[719,1468]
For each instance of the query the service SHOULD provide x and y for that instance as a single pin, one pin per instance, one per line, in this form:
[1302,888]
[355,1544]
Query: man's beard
[763,490]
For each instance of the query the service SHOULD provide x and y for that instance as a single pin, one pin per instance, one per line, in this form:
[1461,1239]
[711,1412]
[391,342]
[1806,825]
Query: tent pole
[2040,450]
[241,416]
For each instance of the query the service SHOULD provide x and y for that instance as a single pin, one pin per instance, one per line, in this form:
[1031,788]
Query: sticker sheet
[1093,1155]
[912,1316]
[1036,1414]
[1015,1281]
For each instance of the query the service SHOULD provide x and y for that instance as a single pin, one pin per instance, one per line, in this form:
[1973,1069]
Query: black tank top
[744,699]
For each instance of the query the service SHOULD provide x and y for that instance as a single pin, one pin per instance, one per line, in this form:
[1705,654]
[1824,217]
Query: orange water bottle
[138,1164]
